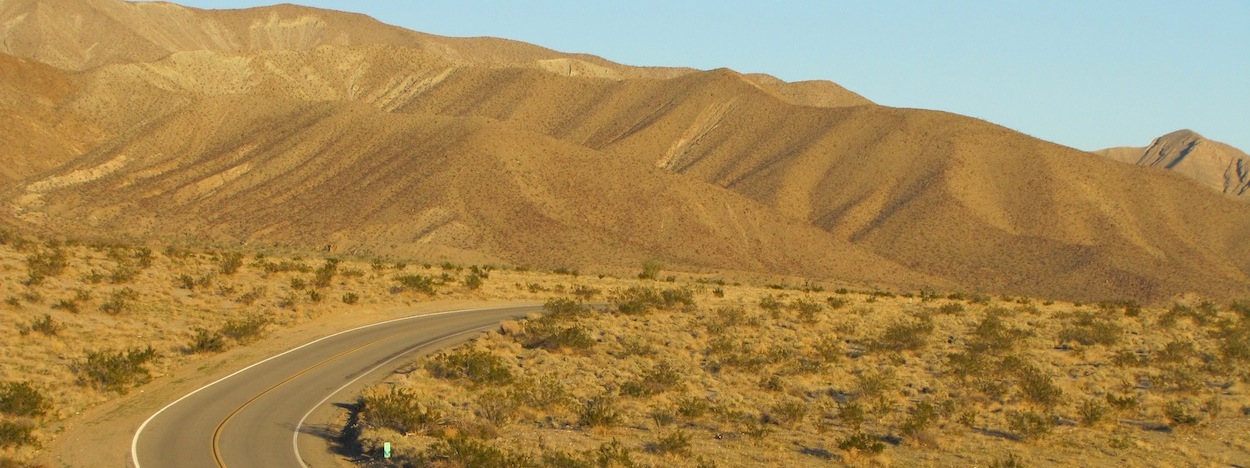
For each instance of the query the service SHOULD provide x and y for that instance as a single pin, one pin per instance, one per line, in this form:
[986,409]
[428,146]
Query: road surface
[259,416]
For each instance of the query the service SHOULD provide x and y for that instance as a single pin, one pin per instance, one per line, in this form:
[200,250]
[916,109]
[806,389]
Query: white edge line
[406,352]
[134,442]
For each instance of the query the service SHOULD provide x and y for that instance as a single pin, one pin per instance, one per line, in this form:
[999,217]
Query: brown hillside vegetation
[1211,163]
[292,125]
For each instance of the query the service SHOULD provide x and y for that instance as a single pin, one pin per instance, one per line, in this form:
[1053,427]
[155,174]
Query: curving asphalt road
[257,416]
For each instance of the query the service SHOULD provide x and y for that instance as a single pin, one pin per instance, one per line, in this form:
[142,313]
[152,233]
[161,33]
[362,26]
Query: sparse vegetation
[836,376]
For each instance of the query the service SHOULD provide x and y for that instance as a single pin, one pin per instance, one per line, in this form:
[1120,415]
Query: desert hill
[1211,163]
[310,127]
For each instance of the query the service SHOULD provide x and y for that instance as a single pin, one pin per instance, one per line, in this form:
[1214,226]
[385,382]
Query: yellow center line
[220,427]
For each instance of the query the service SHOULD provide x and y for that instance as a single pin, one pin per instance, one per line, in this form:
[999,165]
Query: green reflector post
[386,450]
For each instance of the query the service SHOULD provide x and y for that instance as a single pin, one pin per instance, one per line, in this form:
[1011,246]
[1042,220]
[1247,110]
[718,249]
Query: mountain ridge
[514,153]
[1216,165]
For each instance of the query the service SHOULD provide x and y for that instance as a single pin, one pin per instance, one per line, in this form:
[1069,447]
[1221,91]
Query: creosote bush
[418,283]
[398,409]
[116,371]
[477,367]
[640,299]
[16,434]
[22,399]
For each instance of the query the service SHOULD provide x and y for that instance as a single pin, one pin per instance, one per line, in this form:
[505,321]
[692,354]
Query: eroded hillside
[291,125]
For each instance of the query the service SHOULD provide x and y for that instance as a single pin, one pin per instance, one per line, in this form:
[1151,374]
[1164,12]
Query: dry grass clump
[680,375]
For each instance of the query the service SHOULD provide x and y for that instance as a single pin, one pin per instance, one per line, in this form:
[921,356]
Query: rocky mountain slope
[293,125]
[1211,163]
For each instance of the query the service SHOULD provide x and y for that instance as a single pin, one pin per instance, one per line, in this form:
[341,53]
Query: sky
[1086,74]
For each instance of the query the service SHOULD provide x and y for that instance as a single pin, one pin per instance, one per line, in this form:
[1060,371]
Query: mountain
[1211,163]
[297,126]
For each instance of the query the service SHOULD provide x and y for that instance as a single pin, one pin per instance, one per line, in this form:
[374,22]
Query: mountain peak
[1209,162]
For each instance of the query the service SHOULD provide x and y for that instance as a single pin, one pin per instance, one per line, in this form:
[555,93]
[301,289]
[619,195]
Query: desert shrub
[313,296]
[298,284]
[229,263]
[253,295]
[993,336]
[1130,308]
[659,379]
[919,418]
[612,454]
[351,298]
[852,415]
[16,434]
[68,305]
[22,399]
[1233,338]
[788,413]
[1089,330]
[541,394]
[1122,403]
[771,304]
[572,337]
[285,266]
[206,341]
[1038,388]
[477,367]
[472,281]
[860,442]
[399,409]
[116,371]
[1204,314]
[951,308]
[904,336]
[1176,352]
[639,299]
[556,458]
[1012,461]
[585,293]
[45,263]
[244,330]
[1092,411]
[497,407]
[979,298]
[676,443]
[188,282]
[1029,425]
[692,407]
[118,301]
[1178,414]
[324,275]
[650,270]
[598,412]
[1127,358]
[663,416]
[807,310]
[468,452]
[564,309]
[44,325]
[418,283]
[836,302]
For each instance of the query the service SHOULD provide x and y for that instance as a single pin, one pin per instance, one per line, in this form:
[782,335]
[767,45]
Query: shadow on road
[343,441]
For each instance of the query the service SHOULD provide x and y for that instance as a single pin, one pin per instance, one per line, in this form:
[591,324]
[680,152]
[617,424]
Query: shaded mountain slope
[350,175]
[37,135]
[1211,163]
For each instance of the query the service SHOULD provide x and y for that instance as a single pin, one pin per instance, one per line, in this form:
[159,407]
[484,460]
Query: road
[259,416]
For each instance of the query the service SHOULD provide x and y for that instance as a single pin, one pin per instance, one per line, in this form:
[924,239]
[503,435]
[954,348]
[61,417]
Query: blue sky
[1087,74]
